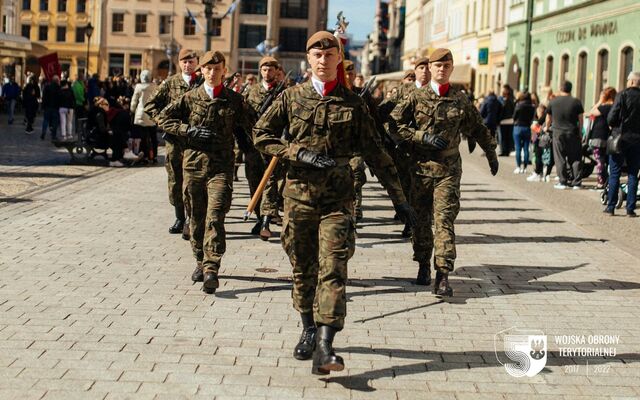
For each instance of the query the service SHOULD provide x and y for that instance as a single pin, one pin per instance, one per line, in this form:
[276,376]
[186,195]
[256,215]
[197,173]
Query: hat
[420,61]
[348,65]
[268,61]
[322,40]
[441,55]
[186,53]
[211,57]
[409,73]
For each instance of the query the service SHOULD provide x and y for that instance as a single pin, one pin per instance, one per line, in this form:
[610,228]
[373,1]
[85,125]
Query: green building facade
[592,43]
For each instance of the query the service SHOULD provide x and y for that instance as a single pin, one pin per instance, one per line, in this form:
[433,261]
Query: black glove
[437,142]
[200,137]
[493,165]
[315,159]
[471,142]
[407,214]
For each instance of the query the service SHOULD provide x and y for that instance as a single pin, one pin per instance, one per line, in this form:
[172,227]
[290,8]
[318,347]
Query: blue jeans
[50,120]
[632,156]
[522,139]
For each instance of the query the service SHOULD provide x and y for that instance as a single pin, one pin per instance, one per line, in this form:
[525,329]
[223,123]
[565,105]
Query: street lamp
[88,30]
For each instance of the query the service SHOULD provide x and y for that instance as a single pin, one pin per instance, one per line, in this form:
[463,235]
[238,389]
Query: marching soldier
[327,124]
[357,162]
[432,119]
[170,90]
[206,119]
[268,208]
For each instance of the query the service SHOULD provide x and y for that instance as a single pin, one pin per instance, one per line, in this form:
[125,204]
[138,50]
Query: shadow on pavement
[26,174]
[14,200]
[500,209]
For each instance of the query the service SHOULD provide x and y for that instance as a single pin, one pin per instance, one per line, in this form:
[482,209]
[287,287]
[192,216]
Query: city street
[96,300]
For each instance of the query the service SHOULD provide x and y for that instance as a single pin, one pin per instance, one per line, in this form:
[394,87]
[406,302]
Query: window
[135,65]
[62,5]
[626,66]
[582,76]
[534,75]
[81,6]
[26,31]
[548,71]
[564,68]
[80,34]
[26,4]
[44,5]
[602,72]
[116,64]
[189,26]
[117,22]
[253,7]
[251,35]
[294,9]
[293,39]
[164,26]
[61,34]
[216,27]
[141,23]
[43,33]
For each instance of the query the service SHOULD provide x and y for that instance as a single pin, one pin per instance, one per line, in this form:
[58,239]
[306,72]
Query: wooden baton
[263,182]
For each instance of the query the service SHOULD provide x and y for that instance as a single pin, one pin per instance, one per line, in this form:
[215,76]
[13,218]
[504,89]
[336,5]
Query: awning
[462,74]
[14,46]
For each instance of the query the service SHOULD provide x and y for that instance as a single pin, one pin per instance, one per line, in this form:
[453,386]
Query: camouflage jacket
[225,115]
[170,90]
[424,112]
[255,96]
[337,126]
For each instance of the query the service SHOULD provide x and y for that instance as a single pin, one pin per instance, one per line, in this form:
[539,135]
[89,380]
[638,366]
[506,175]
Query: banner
[50,65]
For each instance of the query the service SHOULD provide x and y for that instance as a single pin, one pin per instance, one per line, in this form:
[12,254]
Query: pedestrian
[491,111]
[599,133]
[93,88]
[505,138]
[30,99]
[97,125]
[523,116]
[432,120]
[327,125]
[119,120]
[51,96]
[624,118]
[171,90]
[79,94]
[564,116]
[11,94]
[206,118]
[66,111]
[144,128]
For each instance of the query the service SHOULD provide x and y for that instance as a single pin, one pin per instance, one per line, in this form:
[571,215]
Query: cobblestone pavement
[96,302]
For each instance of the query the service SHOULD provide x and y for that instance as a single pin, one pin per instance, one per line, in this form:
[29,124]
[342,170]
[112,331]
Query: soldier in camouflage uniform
[170,90]
[327,124]
[432,120]
[357,162]
[255,97]
[207,118]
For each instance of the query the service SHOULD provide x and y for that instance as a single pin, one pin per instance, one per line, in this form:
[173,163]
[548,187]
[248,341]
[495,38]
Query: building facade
[592,43]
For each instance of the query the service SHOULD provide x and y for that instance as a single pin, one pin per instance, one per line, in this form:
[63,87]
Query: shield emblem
[528,354]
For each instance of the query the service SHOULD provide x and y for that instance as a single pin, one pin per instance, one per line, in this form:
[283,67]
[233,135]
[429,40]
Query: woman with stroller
[599,133]
[97,126]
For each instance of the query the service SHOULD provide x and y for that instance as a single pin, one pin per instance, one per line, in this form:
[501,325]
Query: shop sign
[594,30]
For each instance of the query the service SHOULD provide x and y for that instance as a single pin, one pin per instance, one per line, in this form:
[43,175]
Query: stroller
[622,192]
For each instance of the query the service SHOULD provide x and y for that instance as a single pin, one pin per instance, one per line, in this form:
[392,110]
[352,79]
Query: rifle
[229,79]
[274,160]
[367,86]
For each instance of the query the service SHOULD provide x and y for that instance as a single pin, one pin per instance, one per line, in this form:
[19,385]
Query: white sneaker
[534,178]
[517,170]
[576,187]
[556,178]
[559,186]
[547,178]
[523,170]
[116,164]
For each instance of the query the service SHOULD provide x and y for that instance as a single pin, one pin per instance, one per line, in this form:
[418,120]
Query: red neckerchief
[271,85]
[443,89]
[194,76]
[217,90]
[328,87]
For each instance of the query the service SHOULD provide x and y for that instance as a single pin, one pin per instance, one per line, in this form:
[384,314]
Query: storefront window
[548,73]
[626,66]
[116,64]
[582,76]
[602,72]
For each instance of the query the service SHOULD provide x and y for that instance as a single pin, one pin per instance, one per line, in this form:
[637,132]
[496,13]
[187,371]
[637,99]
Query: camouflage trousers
[254,170]
[271,198]
[435,200]
[178,194]
[359,179]
[319,241]
[403,164]
[211,200]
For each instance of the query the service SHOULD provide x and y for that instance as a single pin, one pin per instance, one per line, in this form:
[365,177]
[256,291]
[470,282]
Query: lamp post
[88,30]
[208,13]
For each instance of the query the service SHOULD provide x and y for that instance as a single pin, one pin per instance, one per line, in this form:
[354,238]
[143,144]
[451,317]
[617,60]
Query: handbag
[613,143]
[545,141]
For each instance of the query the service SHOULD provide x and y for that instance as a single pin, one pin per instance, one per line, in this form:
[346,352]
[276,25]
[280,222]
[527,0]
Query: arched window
[548,71]
[582,76]
[602,72]
[534,76]
[626,66]
[564,68]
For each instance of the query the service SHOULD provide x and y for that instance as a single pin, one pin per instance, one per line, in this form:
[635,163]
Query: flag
[194,20]
[262,47]
[50,65]
[231,9]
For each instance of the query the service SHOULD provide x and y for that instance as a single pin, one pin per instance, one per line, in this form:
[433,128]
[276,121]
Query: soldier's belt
[437,155]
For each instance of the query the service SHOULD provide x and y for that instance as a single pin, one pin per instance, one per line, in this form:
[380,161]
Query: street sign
[483,56]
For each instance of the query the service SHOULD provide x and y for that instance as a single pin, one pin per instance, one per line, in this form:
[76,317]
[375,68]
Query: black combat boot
[177,226]
[186,234]
[307,343]
[325,359]
[265,232]
[424,274]
[198,275]
[441,286]
[256,228]
[210,282]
